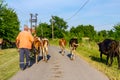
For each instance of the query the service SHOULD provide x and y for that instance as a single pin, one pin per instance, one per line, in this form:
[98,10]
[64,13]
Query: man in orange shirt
[24,43]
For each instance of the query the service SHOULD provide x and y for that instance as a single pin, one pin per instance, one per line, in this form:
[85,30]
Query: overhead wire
[78,10]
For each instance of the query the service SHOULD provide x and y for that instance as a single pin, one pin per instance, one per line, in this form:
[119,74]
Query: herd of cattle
[108,47]
[40,45]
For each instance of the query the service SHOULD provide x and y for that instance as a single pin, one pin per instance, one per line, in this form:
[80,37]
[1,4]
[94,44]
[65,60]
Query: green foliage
[83,31]
[9,24]
[59,26]
[44,30]
[117,31]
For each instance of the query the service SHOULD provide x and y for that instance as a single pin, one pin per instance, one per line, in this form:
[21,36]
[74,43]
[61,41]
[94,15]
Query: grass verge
[8,63]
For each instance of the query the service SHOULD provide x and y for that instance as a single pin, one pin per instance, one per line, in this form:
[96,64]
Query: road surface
[60,67]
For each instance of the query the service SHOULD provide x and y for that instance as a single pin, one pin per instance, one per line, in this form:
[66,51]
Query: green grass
[90,53]
[8,63]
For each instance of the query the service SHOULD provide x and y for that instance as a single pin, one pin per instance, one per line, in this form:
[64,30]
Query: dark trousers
[24,52]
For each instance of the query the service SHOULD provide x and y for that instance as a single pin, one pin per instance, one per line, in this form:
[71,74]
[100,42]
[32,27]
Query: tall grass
[89,52]
[8,63]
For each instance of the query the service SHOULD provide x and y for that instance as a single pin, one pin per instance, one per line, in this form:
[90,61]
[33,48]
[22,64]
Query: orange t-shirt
[25,39]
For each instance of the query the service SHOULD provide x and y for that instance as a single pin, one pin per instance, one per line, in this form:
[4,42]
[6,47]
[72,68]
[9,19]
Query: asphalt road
[60,67]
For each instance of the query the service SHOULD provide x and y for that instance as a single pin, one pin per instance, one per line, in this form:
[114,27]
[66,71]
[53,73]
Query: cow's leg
[60,49]
[46,53]
[107,59]
[118,58]
[36,59]
[101,56]
[71,50]
[72,54]
[43,54]
[111,59]
[63,51]
[71,57]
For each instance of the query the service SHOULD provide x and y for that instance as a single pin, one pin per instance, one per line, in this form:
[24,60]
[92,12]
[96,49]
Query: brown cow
[37,47]
[62,44]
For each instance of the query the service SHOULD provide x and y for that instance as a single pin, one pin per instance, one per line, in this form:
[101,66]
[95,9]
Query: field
[88,51]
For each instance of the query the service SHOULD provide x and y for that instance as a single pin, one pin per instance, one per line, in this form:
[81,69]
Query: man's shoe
[27,65]
[22,69]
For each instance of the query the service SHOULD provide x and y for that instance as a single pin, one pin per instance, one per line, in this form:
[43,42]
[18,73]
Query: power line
[78,10]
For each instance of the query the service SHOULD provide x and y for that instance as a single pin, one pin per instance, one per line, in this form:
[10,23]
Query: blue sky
[102,14]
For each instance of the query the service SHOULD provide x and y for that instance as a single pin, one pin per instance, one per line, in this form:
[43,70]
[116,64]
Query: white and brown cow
[40,46]
[62,44]
[73,44]
[45,48]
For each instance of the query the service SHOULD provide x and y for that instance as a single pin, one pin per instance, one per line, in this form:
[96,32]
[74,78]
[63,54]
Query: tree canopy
[9,23]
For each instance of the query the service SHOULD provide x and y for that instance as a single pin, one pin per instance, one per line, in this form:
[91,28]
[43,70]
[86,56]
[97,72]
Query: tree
[44,30]
[111,34]
[9,23]
[59,26]
[102,34]
[83,31]
[117,31]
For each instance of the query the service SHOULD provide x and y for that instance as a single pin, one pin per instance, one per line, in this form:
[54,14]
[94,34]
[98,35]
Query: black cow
[73,44]
[111,48]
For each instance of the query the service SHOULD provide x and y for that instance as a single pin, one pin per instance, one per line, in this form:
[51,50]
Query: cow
[62,44]
[73,44]
[110,48]
[45,48]
[37,47]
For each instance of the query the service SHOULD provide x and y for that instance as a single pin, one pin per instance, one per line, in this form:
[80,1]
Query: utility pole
[33,21]
[52,29]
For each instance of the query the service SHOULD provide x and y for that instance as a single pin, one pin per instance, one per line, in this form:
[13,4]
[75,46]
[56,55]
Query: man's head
[26,28]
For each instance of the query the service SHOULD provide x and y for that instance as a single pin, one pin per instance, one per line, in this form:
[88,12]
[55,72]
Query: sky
[102,14]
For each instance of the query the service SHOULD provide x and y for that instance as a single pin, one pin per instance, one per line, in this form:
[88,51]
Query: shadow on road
[32,59]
